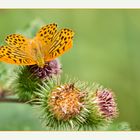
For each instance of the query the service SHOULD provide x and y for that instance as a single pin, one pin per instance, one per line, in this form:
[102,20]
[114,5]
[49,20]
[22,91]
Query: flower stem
[10,100]
[5,93]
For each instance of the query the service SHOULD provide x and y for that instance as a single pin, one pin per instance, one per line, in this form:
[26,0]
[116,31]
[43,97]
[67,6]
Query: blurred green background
[106,50]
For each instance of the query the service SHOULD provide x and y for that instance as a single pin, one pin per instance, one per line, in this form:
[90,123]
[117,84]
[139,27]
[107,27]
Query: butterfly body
[37,52]
[47,45]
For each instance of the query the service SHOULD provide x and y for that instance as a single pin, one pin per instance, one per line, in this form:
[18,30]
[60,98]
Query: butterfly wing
[17,51]
[45,34]
[61,43]
[18,41]
[14,55]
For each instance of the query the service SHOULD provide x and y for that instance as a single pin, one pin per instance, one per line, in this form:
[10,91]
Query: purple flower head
[51,68]
[106,102]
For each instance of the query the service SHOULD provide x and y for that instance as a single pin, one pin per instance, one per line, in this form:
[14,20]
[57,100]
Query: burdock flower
[62,104]
[66,101]
[105,101]
[103,106]
[51,68]
[28,78]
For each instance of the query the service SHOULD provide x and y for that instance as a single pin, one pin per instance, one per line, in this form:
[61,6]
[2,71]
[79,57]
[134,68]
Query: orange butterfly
[45,46]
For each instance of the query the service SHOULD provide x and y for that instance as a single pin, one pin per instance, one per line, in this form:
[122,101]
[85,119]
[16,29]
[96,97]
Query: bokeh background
[106,50]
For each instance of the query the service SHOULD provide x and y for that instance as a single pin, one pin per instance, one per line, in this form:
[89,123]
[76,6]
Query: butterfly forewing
[46,34]
[14,55]
[17,40]
[61,42]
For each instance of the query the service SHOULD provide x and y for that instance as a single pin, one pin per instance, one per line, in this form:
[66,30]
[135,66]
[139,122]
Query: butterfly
[47,45]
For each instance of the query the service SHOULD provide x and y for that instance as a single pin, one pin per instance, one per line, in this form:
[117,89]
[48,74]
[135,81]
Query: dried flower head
[62,103]
[66,101]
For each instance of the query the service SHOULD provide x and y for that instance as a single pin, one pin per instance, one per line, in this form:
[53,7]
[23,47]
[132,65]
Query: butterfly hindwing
[14,55]
[61,42]
[46,34]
